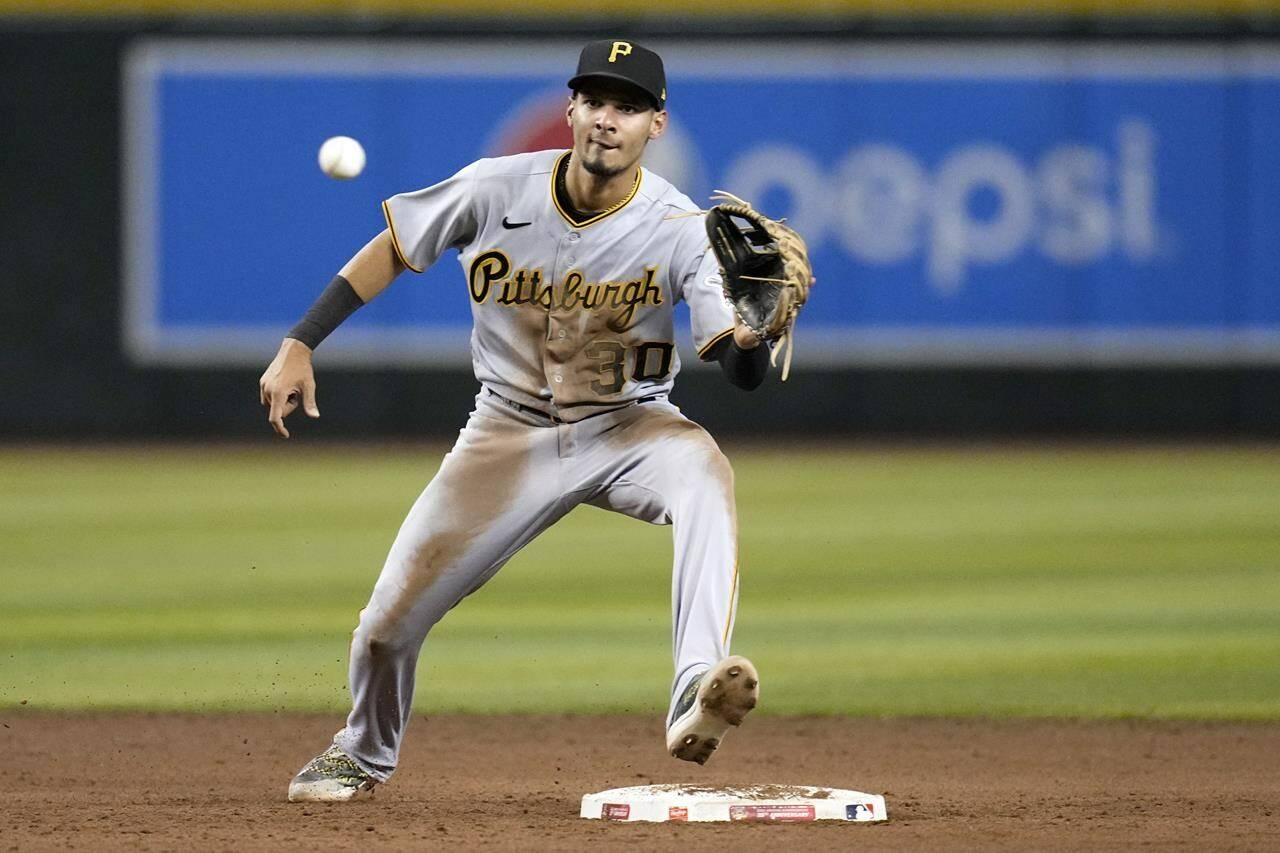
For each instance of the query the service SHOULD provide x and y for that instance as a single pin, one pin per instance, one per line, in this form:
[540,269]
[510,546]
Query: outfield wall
[1056,236]
[718,10]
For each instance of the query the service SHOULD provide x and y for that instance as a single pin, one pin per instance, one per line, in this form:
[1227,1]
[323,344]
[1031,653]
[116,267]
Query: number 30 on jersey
[649,361]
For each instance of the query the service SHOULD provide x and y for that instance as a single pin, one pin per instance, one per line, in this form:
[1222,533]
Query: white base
[751,803]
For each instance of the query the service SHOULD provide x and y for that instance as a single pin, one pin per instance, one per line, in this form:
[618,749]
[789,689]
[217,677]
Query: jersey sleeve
[426,222]
[709,313]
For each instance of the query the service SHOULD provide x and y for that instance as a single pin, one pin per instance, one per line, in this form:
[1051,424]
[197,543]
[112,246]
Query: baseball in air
[341,158]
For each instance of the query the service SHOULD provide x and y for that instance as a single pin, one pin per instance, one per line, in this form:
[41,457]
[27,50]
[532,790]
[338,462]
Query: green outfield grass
[1048,581]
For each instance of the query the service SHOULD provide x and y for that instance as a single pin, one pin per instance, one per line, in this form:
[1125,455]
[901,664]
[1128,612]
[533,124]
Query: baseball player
[574,261]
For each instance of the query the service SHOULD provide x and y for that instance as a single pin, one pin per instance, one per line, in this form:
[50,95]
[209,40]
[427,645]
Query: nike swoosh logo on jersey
[506,224]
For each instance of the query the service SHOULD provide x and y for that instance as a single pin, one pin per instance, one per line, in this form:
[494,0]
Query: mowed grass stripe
[1029,581]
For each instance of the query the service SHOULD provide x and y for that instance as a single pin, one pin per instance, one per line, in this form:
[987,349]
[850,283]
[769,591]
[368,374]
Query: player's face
[611,127]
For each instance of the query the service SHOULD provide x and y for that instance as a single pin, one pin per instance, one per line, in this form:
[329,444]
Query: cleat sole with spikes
[724,695]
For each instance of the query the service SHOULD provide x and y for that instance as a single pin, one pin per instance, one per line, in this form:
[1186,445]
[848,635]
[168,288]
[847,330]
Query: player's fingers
[262,393]
[285,411]
[309,400]
[276,416]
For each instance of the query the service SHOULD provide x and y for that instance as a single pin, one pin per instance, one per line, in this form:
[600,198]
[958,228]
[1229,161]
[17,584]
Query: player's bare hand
[743,336]
[288,382]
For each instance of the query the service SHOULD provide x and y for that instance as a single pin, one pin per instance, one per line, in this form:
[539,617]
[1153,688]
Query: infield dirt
[167,782]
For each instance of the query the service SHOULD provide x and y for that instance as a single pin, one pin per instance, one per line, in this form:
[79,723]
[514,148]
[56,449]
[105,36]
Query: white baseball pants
[510,476]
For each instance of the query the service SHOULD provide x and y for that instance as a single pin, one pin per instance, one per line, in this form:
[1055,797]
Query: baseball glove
[765,269]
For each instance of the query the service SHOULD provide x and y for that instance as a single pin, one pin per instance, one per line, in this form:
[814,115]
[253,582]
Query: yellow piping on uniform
[733,592]
[395,241]
[555,170]
[717,339]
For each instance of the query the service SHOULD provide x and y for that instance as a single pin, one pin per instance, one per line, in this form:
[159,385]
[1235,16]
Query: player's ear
[568,111]
[658,124]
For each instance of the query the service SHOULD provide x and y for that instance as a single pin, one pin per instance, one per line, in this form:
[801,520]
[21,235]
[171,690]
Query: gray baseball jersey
[573,343]
[572,318]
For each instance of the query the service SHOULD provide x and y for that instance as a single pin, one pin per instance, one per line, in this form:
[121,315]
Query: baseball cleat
[330,777]
[713,701]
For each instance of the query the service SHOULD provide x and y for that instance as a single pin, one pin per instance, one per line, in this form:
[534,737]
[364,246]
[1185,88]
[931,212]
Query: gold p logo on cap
[620,48]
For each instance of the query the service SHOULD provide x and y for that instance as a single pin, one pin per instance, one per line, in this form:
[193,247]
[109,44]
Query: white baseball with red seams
[341,157]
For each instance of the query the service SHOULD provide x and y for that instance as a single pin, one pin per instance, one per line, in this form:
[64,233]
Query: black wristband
[338,302]
[745,368]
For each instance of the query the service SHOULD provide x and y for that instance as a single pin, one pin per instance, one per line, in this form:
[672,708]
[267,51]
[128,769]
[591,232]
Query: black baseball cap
[614,59]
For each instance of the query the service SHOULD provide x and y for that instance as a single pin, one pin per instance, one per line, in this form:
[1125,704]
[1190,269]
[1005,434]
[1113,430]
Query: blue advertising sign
[980,204]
